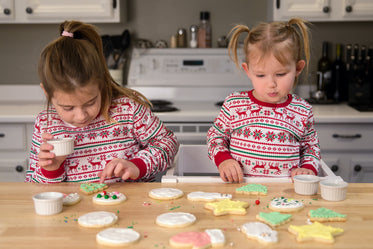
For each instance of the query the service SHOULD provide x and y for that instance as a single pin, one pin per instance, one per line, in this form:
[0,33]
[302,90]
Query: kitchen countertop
[20,227]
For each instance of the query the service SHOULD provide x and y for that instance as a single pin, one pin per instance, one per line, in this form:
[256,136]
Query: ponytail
[233,43]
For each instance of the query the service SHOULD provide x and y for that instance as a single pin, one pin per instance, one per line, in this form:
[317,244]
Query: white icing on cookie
[285,203]
[216,236]
[97,219]
[207,196]
[165,193]
[176,219]
[71,199]
[259,231]
[117,236]
[112,198]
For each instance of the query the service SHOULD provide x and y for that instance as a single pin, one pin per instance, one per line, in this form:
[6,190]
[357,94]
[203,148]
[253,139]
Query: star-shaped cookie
[227,206]
[316,231]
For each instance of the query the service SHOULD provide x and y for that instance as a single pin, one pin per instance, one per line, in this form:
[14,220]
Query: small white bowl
[48,203]
[333,189]
[62,146]
[306,184]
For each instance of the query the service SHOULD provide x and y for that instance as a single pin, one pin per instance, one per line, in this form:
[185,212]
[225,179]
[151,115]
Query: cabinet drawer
[345,137]
[12,170]
[12,137]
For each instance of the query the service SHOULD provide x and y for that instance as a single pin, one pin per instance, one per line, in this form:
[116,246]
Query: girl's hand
[230,171]
[48,160]
[119,168]
[301,171]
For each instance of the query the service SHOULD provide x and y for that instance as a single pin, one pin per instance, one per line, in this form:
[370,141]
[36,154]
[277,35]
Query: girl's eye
[67,108]
[281,74]
[91,103]
[260,75]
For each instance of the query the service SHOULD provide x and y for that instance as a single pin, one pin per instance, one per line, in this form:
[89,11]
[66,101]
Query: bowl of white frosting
[62,146]
[306,184]
[48,203]
[333,189]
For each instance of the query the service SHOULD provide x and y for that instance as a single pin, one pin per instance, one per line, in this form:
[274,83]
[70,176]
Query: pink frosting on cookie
[198,239]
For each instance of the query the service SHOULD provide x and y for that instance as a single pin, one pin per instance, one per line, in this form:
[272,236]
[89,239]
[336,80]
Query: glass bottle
[338,81]
[324,73]
[204,30]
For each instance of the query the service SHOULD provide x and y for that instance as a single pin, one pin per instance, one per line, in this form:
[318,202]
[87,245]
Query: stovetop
[363,108]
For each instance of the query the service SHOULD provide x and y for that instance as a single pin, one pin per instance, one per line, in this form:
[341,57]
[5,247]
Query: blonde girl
[267,131]
[117,137]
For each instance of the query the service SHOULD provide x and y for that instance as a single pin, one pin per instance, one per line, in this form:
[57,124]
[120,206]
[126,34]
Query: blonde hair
[69,63]
[280,38]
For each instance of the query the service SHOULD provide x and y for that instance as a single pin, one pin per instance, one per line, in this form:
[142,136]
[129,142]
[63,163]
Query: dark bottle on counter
[338,81]
[324,73]
[204,30]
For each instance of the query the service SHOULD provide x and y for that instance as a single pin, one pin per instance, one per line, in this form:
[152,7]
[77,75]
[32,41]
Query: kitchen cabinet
[347,149]
[44,11]
[321,10]
[15,142]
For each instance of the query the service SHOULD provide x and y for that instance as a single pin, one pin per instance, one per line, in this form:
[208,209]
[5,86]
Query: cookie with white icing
[71,199]
[207,196]
[117,237]
[175,219]
[282,204]
[109,198]
[97,219]
[199,240]
[165,193]
[260,232]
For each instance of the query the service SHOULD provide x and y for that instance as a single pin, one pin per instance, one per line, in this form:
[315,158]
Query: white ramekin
[62,146]
[333,189]
[48,203]
[306,184]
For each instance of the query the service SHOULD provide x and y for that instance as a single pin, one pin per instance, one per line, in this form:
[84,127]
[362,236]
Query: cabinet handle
[29,10]
[334,168]
[278,4]
[7,11]
[349,9]
[2,134]
[357,168]
[347,136]
[326,9]
[19,168]
[114,4]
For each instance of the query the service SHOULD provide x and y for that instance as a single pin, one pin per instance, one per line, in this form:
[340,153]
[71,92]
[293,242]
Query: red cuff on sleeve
[141,165]
[54,173]
[222,156]
[309,166]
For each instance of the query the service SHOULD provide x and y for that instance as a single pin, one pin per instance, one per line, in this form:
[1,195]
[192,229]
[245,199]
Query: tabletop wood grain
[21,227]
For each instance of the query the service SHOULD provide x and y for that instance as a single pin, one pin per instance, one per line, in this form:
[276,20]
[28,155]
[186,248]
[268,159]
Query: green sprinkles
[173,208]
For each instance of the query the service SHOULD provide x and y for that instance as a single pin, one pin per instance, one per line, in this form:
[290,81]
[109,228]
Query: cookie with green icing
[90,188]
[252,189]
[274,218]
[324,214]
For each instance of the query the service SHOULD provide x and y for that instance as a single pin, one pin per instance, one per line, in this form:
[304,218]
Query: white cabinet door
[7,11]
[357,10]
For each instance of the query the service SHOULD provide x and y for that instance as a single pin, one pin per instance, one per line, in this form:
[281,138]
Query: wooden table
[21,227]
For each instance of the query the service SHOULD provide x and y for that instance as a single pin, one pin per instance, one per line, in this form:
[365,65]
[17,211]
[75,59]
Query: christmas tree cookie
[274,218]
[252,189]
[323,214]
[90,188]
[316,231]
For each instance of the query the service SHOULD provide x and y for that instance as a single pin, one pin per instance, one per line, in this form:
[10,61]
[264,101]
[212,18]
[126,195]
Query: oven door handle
[346,136]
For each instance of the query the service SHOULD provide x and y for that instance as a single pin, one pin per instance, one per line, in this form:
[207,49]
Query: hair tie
[65,33]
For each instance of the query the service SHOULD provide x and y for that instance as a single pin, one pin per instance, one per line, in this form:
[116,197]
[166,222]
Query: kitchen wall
[20,44]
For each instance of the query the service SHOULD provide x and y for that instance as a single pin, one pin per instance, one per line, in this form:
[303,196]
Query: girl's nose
[272,82]
[81,114]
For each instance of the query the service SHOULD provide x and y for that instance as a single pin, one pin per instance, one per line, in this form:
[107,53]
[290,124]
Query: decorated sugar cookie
[117,237]
[252,189]
[207,196]
[175,219]
[71,199]
[90,188]
[227,206]
[282,204]
[109,198]
[165,193]
[274,218]
[199,240]
[316,231]
[323,214]
[97,219]
[260,232]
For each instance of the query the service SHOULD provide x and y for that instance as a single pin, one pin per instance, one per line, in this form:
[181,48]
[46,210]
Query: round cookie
[207,196]
[108,198]
[175,219]
[117,237]
[165,193]
[282,204]
[97,219]
[71,199]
